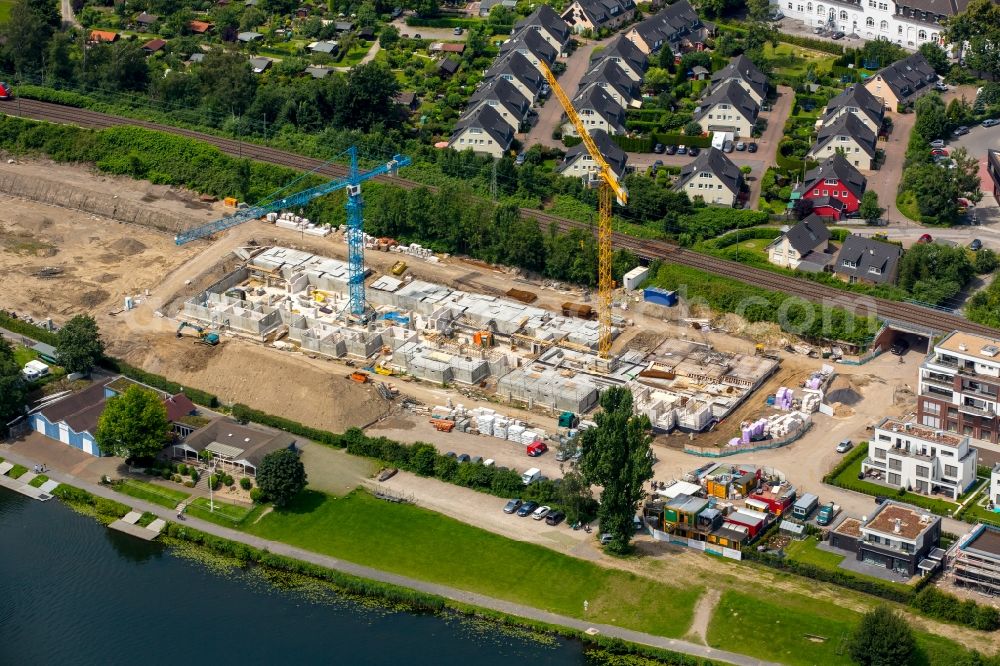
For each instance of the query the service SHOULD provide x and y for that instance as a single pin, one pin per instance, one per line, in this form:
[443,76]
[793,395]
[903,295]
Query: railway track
[905,313]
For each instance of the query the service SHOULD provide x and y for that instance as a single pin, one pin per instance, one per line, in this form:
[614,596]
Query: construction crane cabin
[355,208]
[609,187]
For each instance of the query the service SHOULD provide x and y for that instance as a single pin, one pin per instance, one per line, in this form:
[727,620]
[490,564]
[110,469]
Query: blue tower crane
[355,209]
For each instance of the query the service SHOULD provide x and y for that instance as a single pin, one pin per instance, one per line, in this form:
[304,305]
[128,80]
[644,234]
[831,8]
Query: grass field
[38,481]
[806,551]
[906,203]
[416,542]
[167,497]
[228,515]
[5,6]
[795,60]
[21,354]
[17,471]
[801,632]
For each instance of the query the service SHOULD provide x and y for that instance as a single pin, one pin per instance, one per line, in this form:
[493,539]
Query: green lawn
[167,497]
[22,354]
[806,551]
[800,631]
[38,481]
[416,542]
[17,471]
[794,60]
[228,515]
[906,203]
[5,6]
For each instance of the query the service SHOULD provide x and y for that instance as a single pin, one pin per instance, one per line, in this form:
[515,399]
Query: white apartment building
[924,460]
[959,389]
[909,23]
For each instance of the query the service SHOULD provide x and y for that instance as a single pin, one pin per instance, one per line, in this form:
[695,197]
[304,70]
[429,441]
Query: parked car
[751,147]
[527,508]
[937,143]
[880,499]
[845,446]
[555,517]
[512,506]
[727,147]
[519,160]
[637,523]
[682,150]
[838,35]
[925,238]
[899,347]
[976,245]
[464,458]
[417,36]
[775,15]
[476,459]
[489,462]
[741,146]
[989,122]
[605,538]
[397,12]
[541,512]
[659,148]
[450,454]
[670,150]
[961,130]
[819,30]
[943,87]
[693,151]
[536,449]
[457,30]
[939,152]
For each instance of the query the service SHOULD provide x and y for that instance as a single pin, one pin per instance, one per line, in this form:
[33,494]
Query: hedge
[416,22]
[243,413]
[22,327]
[939,605]
[673,139]
[634,144]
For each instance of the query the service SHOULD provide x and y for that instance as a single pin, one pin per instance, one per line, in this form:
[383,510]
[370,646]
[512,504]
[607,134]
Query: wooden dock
[20,485]
[127,524]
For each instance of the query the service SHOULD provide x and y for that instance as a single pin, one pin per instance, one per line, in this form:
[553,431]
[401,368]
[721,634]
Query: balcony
[940,383]
[976,411]
[871,462]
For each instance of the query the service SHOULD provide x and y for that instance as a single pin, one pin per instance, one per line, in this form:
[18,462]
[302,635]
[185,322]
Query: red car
[536,449]
[939,152]
[925,238]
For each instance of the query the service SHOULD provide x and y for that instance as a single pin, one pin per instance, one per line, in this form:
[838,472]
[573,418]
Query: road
[68,17]
[885,181]
[369,573]
[551,112]
[438,34]
[646,249]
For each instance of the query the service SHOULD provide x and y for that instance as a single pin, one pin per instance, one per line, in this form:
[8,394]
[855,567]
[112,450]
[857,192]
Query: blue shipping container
[659,296]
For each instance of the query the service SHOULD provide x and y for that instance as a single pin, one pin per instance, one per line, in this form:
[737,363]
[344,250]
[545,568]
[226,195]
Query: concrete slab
[5,467]
[48,486]
[23,488]
[134,530]
[27,477]
[157,525]
[132,517]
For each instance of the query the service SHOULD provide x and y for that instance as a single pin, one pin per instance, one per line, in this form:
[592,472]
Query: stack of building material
[754,430]
[784,425]
[783,398]
[811,400]
[514,432]
[529,437]
[287,220]
[500,425]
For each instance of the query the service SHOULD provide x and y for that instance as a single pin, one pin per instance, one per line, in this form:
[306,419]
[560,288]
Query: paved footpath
[362,571]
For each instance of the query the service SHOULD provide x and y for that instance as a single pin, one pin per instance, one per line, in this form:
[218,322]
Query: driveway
[551,112]
[885,181]
[440,34]
[768,142]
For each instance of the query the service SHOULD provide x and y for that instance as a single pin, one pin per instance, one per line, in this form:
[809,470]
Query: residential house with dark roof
[325,46]
[678,27]
[505,99]
[711,176]
[249,36]
[742,70]
[866,260]
[898,537]
[597,110]
[143,21]
[806,246]
[626,55]
[849,136]
[903,82]
[858,101]
[448,67]
[728,108]
[486,5]
[610,76]
[549,25]
[73,418]
[518,71]
[579,163]
[595,15]
[260,64]
[235,448]
[407,99]
[153,46]
[532,46]
[834,188]
[318,71]
[484,132]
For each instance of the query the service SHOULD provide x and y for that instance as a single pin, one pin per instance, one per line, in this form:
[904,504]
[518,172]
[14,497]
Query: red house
[753,521]
[833,189]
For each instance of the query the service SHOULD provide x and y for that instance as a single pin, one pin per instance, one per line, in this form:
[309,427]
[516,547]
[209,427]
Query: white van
[34,370]
[531,475]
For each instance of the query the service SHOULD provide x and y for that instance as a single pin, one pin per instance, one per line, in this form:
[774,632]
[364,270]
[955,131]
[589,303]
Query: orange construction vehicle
[443,425]
[359,377]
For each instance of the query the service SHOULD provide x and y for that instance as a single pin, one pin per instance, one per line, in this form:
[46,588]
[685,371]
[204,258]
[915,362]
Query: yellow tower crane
[609,186]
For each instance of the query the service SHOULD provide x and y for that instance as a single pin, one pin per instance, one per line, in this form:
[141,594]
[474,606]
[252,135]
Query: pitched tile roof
[670,24]
[154,45]
[528,40]
[716,162]
[516,65]
[596,98]
[859,97]
[622,49]
[103,36]
[908,76]
[547,18]
[486,118]
[503,93]
[808,235]
[741,67]
[613,155]
[734,94]
[847,125]
[254,443]
[866,253]
[146,19]
[600,12]
[610,72]
[836,166]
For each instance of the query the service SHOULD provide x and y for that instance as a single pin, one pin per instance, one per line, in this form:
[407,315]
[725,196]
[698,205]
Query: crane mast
[609,188]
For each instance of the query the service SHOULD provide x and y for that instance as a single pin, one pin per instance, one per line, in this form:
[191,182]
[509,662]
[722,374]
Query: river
[74,592]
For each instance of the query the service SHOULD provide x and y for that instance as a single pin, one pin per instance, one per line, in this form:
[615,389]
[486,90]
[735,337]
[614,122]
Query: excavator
[205,337]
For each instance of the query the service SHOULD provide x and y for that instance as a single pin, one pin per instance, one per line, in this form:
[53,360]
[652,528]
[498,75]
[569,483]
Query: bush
[227,480]
[176,478]
[24,328]
[194,475]
[257,495]
[189,484]
[246,483]
[182,469]
[214,481]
